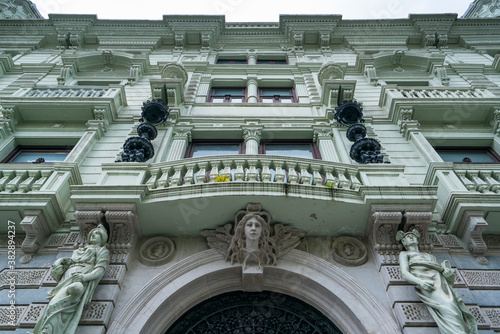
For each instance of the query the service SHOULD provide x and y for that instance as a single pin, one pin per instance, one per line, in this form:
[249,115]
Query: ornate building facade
[332,134]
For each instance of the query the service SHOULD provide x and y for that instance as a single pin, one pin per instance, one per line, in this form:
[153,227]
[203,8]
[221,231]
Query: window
[231,61]
[484,155]
[297,149]
[211,148]
[227,94]
[38,154]
[272,61]
[277,95]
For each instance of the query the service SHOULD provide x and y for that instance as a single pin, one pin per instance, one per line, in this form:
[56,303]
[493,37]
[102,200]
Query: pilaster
[182,136]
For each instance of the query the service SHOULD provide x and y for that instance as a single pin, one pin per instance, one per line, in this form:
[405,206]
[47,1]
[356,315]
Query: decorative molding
[252,133]
[370,73]
[156,251]
[471,231]
[419,221]
[383,235]
[330,71]
[37,231]
[349,251]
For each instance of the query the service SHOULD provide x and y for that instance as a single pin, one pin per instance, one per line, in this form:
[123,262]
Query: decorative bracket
[471,232]
[37,230]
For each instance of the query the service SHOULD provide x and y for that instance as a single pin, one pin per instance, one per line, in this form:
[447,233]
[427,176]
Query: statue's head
[98,236]
[252,226]
[407,238]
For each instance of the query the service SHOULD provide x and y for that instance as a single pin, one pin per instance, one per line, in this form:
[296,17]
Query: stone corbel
[325,40]
[179,41]
[439,72]
[206,41]
[66,73]
[298,40]
[37,230]
[419,221]
[383,234]
[370,73]
[406,121]
[496,121]
[87,220]
[471,232]
[134,74]
[7,122]
[124,232]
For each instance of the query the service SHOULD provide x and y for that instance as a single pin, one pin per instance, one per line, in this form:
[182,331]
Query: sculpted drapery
[433,284]
[77,278]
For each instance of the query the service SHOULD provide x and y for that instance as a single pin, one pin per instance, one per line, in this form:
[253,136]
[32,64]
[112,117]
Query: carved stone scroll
[471,232]
[37,230]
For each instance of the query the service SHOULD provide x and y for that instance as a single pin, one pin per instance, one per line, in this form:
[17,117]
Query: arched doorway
[264,312]
[316,282]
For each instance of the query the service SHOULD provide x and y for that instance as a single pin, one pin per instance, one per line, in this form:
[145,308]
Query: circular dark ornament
[366,150]
[349,112]
[253,313]
[154,112]
[356,132]
[147,131]
[137,149]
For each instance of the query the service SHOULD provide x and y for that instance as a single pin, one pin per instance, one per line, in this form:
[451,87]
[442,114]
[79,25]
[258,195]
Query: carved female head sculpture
[252,235]
[98,236]
[407,238]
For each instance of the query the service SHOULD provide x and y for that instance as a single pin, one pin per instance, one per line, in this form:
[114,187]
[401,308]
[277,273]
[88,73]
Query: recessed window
[227,95]
[277,95]
[231,61]
[469,155]
[38,154]
[272,61]
[408,83]
[210,148]
[296,149]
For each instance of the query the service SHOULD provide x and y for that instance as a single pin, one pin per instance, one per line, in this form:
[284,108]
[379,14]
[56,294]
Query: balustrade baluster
[7,175]
[355,183]
[176,179]
[151,183]
[13,184]
[317,179]
[163,180]
[280,175]
[201,177]
[239,175]
[45,174]
[213,173]
[305,177]
[331,180]
[292,175]
[343,181]
[266,172]
[466,182]
[27,184]
[189,176]
[493,184]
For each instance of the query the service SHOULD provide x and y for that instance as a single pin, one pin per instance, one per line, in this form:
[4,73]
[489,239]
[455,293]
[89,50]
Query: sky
[250,11]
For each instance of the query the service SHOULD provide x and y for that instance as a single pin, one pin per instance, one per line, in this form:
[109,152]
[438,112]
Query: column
[252,89]
[323,138]
[182,136]
[252,140]
[251,59]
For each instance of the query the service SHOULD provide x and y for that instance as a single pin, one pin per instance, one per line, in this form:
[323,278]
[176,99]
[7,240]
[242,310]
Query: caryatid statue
[77,278]
[433,284]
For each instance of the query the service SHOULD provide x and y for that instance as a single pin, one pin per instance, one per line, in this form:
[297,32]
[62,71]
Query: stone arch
[330,71]
[175,71]
[301,275]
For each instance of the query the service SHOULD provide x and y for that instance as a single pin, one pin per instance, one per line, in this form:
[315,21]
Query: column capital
[322,133]
[181,133]
[252,133]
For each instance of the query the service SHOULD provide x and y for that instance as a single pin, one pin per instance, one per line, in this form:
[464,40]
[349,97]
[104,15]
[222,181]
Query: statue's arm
[409,277]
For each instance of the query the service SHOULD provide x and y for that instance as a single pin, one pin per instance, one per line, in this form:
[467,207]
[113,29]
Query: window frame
[35,149]
[227,98]
[268,61]
[190,149]
[488,150]
[229,61]
[314,148]
[276,98]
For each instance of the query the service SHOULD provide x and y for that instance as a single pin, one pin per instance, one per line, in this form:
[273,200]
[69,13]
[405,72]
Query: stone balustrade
[437,93]
[266,169]
[482,179]
[67,92]
[23,180]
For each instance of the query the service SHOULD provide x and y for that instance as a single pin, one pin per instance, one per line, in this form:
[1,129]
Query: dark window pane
[228,91]
[33,156]
[276,91]
[292,150]
[460,155]
[201,150]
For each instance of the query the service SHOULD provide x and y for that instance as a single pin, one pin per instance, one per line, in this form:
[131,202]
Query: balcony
[438,106]
[36,187]
[65,104]
[185,196]
[466,187]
